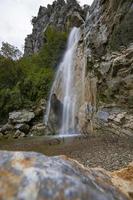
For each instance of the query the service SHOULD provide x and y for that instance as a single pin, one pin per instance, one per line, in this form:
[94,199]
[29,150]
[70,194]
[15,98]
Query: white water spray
[65,77]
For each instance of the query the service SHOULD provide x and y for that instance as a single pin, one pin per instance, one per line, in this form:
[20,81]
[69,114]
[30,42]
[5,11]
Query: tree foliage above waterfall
[9,51]
[25,81]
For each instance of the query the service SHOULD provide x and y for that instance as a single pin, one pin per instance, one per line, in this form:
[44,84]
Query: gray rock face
[34,176]
[61,15]
[108,41]
[21,116]
[115,120]
[109,25]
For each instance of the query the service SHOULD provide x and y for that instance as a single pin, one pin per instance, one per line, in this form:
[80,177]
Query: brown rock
[124,180]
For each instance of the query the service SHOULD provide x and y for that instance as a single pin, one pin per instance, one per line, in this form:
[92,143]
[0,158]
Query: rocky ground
[106,150]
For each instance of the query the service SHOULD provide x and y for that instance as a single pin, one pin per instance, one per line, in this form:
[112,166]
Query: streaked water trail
[65,77]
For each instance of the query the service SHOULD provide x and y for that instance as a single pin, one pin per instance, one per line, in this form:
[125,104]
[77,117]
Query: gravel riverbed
[105,150]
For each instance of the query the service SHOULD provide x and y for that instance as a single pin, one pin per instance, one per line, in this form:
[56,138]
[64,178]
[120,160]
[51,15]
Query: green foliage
[10,74]
[25,81]
[54,47]
[9,51]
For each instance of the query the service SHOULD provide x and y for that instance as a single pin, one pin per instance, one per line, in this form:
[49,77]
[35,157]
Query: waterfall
[63,85]
[69,99]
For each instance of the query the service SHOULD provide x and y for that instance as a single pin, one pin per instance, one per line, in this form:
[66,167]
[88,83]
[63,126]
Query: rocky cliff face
[60,15]
[106,48]
[108,38]
[109,26]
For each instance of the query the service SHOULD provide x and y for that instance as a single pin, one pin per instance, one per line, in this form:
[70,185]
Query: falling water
[65,81]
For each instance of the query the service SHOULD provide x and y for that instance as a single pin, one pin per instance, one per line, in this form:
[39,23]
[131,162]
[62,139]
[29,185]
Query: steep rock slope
[60,15]
[108,38]
[109,25]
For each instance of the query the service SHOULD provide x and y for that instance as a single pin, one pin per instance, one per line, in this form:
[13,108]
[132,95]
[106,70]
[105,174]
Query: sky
[16,15]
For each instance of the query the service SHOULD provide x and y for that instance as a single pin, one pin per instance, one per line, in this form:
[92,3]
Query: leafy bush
[25,81]
[9,51]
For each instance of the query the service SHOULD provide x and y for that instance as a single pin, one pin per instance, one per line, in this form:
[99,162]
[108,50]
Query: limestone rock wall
[61,15]
[108,45]
[109,26]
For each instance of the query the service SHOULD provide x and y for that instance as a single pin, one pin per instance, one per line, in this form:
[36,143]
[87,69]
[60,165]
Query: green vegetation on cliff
[25,81]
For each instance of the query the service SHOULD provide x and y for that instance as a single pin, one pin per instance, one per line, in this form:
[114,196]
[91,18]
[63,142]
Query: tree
[9,51]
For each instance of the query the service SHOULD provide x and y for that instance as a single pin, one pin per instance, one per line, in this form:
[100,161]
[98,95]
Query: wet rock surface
[34,176]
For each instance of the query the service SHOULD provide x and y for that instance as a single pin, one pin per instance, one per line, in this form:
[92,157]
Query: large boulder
[26,176]
[23,116]
[39,130]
